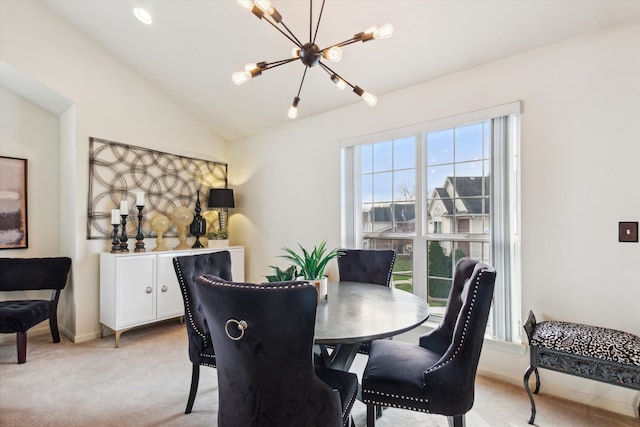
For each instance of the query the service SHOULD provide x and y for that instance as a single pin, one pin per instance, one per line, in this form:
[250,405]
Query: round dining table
[355,312]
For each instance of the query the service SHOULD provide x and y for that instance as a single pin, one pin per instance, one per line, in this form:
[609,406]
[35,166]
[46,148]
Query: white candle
[140,199]
[124,209]
[115,216]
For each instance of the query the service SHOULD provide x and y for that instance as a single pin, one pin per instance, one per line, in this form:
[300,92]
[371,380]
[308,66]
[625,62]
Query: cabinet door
[168,296]
[135,278]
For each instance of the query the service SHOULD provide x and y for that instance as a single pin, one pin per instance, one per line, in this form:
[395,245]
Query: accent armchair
[25,274]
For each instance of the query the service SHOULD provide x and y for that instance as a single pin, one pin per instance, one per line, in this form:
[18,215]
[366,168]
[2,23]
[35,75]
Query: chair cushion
[589,341]
[397,368]
[20,315]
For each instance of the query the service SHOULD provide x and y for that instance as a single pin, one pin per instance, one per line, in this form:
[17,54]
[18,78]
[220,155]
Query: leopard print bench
[586,351]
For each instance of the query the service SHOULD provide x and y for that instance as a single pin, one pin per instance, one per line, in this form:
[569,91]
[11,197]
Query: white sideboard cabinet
[138,288]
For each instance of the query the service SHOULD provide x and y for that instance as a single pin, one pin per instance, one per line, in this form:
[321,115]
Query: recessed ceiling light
[142,15]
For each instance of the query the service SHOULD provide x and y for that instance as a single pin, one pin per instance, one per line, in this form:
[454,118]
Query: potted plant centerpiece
[290,273]
[312,264]
[218,238]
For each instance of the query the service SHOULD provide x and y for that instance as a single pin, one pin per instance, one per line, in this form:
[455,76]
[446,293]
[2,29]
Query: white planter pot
[214,244]
[321,286]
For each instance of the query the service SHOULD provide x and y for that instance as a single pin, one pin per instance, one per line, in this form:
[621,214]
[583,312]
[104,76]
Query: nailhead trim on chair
[188,304]
[393,261]
[393,405]
[397,396]
[464,329]
[255,285]
[348,407]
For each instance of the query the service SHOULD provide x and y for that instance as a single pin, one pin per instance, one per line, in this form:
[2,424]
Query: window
[436,193]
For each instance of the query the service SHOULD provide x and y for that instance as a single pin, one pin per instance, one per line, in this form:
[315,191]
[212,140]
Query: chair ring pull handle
[242,325]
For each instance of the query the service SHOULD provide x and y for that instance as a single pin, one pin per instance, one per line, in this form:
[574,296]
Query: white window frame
[505,211]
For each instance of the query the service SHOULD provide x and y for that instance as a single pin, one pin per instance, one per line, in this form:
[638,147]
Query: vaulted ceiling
[193,47]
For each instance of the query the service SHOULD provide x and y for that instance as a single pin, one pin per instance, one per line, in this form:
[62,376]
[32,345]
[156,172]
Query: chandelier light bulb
[247,4]
[293,110]
[250,66]
[295,52]
[265,5]
[334,54]
[384,32]
[340,84]
[371,29]
[370,99]
[240,77]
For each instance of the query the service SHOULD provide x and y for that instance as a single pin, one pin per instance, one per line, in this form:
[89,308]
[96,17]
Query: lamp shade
[221,198]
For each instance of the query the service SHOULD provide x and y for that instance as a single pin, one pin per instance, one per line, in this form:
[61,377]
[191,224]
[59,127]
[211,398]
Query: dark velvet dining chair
[263,335]
[201,352]
[438,375]
[366,266]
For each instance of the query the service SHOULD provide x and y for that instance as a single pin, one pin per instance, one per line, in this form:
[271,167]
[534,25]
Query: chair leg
[457,421]
[53,325]
[21,343]
[371,415]
[195,378]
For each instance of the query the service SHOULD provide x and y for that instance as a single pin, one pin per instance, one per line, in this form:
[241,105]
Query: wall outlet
[628,231]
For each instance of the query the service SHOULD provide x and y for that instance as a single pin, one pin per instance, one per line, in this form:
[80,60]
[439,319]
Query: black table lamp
[221,198]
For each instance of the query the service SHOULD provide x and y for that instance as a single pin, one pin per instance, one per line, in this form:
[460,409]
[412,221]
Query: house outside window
[442,191]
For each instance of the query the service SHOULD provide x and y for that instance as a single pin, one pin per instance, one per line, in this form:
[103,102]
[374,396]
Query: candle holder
[139,236]
[115,243]
[124,246]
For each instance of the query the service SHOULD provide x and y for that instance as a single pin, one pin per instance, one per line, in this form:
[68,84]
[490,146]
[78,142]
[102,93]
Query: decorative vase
[182,217]
[214,244]
[160,224]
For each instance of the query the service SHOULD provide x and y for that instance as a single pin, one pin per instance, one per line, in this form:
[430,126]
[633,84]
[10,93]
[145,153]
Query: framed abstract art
[13,203]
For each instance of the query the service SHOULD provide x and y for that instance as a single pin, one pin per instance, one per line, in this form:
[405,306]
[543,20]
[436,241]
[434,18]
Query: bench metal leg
[527,374]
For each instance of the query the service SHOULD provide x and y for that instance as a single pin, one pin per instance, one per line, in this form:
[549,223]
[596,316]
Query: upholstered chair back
[188,268]
[263,335]
[460,336]
[367,266]
[33,273]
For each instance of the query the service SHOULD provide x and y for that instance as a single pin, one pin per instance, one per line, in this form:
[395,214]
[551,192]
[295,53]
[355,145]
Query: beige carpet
[146,382]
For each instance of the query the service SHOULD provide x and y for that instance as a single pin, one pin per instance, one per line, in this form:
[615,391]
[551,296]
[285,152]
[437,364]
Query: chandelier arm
[293,39]
[344,43]
[296,42]
[330,72]
[318,24]
[302,81]
[275,64]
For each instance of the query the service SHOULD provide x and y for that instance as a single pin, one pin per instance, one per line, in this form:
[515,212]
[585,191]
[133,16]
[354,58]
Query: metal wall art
[13,203]
[168,181]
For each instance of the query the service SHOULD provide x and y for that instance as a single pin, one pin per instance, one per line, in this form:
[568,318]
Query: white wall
[580,159]
[110,101]
[30,132]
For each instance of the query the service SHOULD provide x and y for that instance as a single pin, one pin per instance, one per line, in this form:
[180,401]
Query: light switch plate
[628,231]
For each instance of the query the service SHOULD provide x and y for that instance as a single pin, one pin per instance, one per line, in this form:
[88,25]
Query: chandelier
[308,53]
